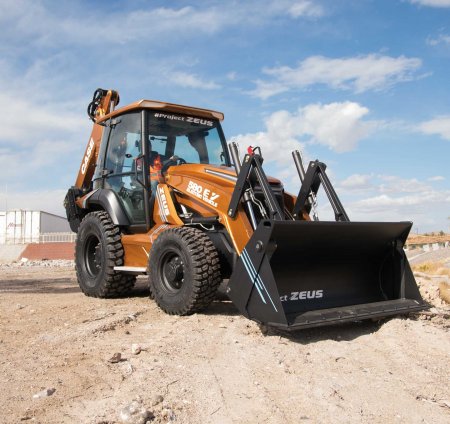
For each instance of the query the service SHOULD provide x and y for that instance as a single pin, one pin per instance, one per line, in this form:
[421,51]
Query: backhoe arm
[103,102]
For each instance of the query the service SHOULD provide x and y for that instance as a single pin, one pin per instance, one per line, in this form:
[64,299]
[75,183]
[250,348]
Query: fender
[107,199]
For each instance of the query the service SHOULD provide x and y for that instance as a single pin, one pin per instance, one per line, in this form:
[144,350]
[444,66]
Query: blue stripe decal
[252,277]
[255,277]
[258,277]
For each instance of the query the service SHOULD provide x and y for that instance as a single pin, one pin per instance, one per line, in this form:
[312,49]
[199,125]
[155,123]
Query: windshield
[196,140]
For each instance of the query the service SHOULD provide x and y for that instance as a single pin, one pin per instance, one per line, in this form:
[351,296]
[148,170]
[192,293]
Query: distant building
[428,243]
[25,226]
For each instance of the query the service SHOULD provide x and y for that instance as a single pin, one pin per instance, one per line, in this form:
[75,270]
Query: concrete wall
[11,252]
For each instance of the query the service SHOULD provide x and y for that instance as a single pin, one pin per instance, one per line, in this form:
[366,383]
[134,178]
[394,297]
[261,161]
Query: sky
[361,85]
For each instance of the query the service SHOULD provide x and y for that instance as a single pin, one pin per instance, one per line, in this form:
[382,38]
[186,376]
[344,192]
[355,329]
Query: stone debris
[133,317]
[136,349]
[444,291]
[168,414]
[44,393]
[157,400]
[135,413]
[117,357]
[24,262]
[127,368]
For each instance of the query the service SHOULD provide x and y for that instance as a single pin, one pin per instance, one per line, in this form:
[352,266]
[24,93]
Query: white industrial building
[20,226]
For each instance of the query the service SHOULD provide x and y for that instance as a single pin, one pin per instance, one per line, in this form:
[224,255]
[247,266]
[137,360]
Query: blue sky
[362,85]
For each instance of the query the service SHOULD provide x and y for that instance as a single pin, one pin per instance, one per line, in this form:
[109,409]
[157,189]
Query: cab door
[124,166]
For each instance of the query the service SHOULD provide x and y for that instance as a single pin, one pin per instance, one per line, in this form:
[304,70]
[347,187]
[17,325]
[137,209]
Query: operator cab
[175,138]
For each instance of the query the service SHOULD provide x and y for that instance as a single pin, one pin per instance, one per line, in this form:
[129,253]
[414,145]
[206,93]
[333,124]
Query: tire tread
[115,283]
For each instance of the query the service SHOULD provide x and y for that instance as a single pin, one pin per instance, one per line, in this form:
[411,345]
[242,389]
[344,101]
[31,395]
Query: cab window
[193,139]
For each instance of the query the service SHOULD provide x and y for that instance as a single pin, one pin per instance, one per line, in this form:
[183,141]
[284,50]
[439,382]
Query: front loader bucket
[299,274]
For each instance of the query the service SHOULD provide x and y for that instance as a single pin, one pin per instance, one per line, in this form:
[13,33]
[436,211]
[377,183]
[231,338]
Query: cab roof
[164,106]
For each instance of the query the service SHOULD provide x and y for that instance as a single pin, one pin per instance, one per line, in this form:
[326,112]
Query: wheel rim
[172,271]
[93,256]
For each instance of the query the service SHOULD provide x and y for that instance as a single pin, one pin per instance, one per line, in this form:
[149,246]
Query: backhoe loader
[212,218]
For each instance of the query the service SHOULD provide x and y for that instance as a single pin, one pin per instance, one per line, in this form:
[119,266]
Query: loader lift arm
[314,176]
[250,173]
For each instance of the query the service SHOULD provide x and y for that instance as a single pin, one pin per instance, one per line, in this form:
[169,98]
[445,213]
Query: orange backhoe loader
[160,193]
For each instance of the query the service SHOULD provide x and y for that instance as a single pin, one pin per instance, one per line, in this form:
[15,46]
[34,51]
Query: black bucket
[298,274]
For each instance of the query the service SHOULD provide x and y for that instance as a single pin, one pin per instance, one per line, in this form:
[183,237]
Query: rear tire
[98,250]
[184,271]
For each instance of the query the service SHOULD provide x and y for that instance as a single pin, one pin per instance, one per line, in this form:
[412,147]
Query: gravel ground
[67,358]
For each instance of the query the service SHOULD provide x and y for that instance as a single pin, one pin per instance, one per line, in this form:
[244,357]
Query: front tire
[184,270]
[98,250]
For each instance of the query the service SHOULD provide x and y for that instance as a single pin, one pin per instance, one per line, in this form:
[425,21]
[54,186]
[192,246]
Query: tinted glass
[196,140]
[123,148]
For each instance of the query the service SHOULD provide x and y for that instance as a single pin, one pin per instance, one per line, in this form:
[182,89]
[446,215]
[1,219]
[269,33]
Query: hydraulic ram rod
[237,166]
[298,160]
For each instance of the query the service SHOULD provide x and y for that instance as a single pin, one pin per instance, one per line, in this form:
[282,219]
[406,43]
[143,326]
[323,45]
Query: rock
[44,393]
[117,357]
[444,291]
[167,414]
[127,368]
[157,400]
[135,413]
[136,349]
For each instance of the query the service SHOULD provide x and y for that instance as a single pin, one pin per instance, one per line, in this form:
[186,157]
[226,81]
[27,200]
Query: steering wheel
[174,160]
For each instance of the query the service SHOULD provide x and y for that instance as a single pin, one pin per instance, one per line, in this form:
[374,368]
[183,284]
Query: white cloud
[47,26]
[371,197]
[432,3]
[46,200]
[339,126]
[441,39]
[436,178]
[357,182]
[393,198]
[395,184]
[187,80]
[306,8]
[26,121]
[439,126]
[420,201]
[360,73]
[44,129]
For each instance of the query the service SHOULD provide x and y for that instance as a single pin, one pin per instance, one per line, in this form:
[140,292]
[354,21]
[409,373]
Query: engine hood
[219,175]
